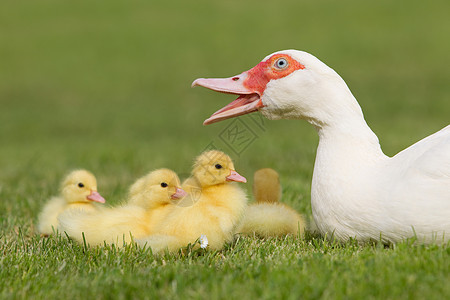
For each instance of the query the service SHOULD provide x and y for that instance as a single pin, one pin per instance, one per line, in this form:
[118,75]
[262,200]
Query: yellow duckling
[268,217]
[149,200]
[78,191]
[216,205]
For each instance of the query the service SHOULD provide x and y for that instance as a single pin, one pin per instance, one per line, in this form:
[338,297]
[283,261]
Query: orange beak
[179,193]
[96,197]
[249,100]
[235,176]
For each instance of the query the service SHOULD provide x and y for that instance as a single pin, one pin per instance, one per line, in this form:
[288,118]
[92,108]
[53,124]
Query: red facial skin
[249,85]
[262,73]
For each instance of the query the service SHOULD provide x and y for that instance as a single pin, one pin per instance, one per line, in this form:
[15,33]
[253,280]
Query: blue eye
[281,63]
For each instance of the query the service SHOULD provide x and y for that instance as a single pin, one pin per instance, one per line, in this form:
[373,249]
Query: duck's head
[215,167]
[81,186]
[156,188]
[288,84]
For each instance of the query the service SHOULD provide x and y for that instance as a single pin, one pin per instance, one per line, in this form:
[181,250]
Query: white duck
[357,191]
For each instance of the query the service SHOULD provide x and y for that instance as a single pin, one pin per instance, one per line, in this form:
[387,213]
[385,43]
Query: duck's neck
[351,134]
[340,121]
[345,149]
[347,158]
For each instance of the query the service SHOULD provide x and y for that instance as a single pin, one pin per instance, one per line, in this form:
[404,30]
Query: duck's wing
[434,163]
[425,167]
[420,186]
[416,189]
[429,175]
[434,144]
[430,158]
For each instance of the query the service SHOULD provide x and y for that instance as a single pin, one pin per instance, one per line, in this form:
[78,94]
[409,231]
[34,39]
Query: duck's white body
[357,191]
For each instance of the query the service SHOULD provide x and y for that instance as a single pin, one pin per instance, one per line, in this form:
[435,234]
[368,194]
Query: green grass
[105,85]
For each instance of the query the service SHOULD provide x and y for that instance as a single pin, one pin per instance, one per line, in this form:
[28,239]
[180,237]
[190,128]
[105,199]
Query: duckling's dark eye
[218,166]
[281,63]
[163,184]
[80,185]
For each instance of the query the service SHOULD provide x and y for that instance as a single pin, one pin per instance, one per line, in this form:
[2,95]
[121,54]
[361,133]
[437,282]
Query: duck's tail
[112,226]
[267,217]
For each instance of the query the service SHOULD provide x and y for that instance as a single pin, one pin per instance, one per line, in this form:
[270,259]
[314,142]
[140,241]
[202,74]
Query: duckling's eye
[281,63]
[163,184]
[81,185]
[218,166]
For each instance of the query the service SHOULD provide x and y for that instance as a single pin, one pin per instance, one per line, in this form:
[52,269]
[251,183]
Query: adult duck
[357,191]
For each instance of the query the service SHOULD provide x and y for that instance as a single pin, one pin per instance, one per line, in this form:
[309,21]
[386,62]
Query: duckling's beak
[179,193]
[235,176]
[96,197]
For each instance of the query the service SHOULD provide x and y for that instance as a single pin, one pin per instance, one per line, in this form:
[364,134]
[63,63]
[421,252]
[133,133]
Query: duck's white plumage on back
[357,191]
[418,179]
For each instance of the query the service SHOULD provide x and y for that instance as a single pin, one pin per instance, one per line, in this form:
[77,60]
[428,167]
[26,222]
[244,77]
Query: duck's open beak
[248,101]
[179,193]
[235,176]
[96,197]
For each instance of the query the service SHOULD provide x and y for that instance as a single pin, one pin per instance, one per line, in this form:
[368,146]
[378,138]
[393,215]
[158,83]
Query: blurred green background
[105,85]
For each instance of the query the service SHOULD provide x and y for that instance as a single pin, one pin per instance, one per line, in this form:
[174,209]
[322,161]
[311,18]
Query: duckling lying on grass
[78,191]
[150,198]
[217,205]
[268,217]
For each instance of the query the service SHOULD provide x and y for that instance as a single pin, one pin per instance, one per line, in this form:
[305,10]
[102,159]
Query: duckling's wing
[271,220]
[161,242]
[114,225]
[48,217]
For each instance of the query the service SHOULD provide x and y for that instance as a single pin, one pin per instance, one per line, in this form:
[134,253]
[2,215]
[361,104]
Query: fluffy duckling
[216,206]
[78,191]
[268,217]
[149,200]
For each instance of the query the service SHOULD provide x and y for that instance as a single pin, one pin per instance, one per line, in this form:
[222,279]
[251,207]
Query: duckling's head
[156,188]
[215,167]
[81,186]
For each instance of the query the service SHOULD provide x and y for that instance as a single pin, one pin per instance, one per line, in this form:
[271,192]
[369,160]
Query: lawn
[105,85]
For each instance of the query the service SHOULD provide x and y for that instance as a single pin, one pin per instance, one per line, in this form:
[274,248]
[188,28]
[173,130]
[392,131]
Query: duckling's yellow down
[213,207]
[268,217]
[78,191]
[148,203]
